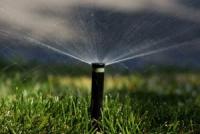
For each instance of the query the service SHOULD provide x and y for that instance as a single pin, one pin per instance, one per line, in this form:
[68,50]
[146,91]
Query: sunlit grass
[161,102]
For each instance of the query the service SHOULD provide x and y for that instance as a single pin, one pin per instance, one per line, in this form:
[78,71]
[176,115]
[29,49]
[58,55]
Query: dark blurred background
[170,18]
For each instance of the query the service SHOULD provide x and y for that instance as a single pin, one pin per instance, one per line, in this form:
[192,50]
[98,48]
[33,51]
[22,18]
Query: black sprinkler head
[98,70]
[98,64]
[98,67]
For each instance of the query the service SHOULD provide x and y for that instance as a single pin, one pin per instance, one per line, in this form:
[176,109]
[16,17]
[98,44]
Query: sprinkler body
[98,70]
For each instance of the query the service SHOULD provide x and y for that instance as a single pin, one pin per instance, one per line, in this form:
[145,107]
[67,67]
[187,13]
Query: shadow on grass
[170,111]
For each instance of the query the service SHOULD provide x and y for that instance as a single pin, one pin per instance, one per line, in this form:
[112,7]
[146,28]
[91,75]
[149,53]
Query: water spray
[98,70]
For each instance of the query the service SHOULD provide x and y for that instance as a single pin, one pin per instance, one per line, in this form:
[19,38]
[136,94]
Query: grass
[36,101]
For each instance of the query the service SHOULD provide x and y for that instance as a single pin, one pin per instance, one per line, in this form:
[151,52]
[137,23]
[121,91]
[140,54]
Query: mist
[52,18]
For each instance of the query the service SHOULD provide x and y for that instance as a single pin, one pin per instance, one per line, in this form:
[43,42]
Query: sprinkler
[98,70]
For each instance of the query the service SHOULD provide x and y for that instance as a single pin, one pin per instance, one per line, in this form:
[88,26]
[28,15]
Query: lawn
[37,100]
